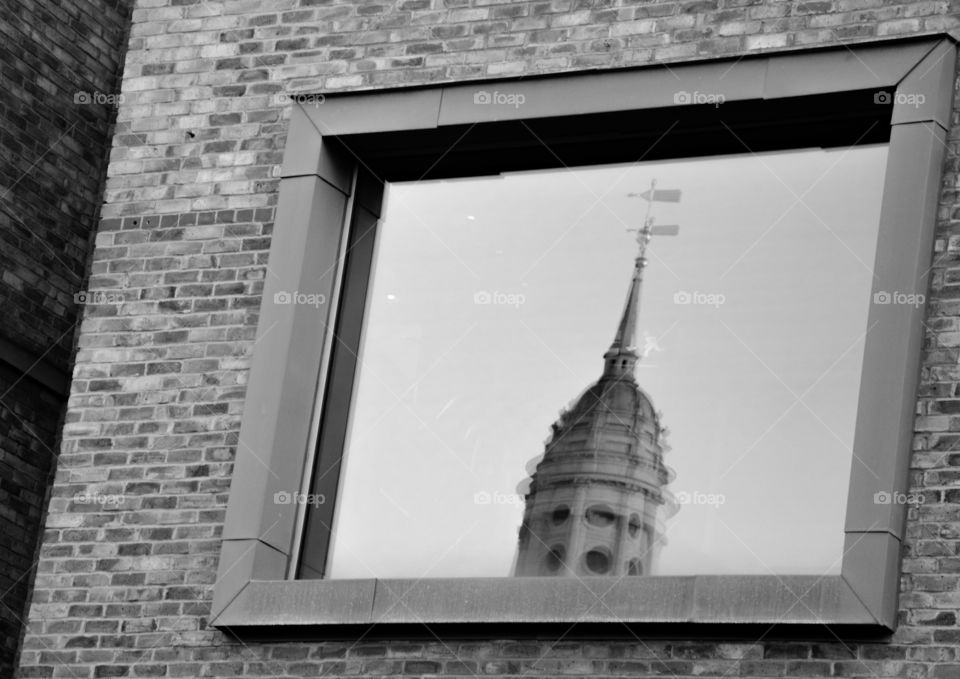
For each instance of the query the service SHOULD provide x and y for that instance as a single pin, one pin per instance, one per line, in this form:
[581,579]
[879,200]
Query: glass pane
[500,314]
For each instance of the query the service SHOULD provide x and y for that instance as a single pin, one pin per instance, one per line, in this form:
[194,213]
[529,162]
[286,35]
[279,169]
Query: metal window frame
[320,179]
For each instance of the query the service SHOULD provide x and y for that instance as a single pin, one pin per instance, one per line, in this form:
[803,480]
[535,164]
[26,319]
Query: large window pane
[493,303]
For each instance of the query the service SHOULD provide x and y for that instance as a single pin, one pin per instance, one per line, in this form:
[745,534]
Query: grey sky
[455,396]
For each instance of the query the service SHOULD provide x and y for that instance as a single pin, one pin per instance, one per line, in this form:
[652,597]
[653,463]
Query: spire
[621,358]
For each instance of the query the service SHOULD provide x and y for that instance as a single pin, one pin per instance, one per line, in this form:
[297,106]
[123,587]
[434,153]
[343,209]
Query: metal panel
[761,599]
[871,566]
[304,602]
[878,67]
[369,192]
[283,376]
[926,94]
[338,393]
[771,599]
[601,92]
[891,360]
[592,599]
[310,154]
[376,111]
[240,562]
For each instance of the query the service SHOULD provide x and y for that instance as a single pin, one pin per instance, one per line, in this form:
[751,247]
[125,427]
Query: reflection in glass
[494,302]
[605,454]
[553,561]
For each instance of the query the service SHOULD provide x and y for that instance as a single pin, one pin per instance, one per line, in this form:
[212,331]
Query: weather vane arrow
[648,230]
[660,195]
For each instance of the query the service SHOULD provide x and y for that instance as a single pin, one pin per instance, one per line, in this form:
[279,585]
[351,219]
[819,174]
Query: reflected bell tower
[597,499]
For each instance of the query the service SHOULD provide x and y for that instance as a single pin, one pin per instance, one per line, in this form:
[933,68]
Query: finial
[648,230]
[622,355]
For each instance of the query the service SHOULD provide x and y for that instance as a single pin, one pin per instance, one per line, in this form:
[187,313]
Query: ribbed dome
[611,432]
[621,396]
[612,419]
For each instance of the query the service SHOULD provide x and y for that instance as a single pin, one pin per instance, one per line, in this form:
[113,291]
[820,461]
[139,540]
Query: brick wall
[54,151]
[124,587]
[29,420]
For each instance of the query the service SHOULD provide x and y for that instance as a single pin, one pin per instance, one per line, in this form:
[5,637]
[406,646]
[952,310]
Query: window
[553,561]
[597,561]
[494,302]
[339,157]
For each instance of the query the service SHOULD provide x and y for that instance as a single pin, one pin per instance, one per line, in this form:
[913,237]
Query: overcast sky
[758,387]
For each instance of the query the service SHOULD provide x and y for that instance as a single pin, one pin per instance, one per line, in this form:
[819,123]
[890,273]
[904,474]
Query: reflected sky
[494,299]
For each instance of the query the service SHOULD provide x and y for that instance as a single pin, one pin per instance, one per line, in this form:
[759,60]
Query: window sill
[665,600]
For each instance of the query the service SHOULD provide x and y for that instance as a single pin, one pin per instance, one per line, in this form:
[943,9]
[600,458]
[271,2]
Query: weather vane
[649,230]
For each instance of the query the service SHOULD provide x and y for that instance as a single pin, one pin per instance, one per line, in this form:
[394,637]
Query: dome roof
[621,396]
[613,419]
[611,434]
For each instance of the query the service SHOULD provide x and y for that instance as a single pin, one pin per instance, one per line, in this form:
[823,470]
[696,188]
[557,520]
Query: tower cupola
[593,504]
